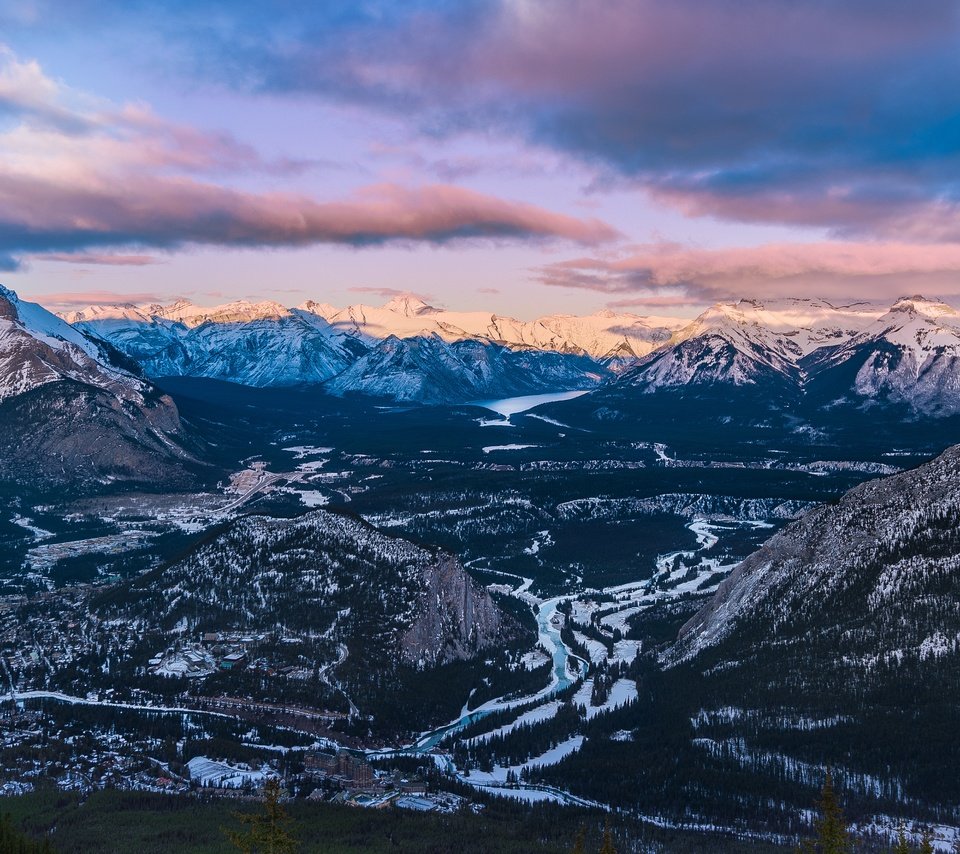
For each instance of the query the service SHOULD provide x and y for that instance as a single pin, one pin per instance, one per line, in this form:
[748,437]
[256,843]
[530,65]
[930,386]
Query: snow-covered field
[622,691]
[221,775]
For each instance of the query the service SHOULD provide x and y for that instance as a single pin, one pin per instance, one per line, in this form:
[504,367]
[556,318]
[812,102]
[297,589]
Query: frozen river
[507,406]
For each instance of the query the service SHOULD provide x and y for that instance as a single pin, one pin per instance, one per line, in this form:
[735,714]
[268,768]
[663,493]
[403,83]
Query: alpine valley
[658,572]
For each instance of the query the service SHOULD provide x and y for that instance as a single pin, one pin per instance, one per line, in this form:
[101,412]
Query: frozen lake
[508,406]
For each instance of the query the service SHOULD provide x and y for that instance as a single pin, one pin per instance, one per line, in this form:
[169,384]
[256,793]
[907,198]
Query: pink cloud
[98,258]
[95,297]
[390,293]
[60,215]
[673,274]
[79,175]
[656,302]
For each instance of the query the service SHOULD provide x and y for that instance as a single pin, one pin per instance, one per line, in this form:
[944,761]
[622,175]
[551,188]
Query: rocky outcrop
[455,619]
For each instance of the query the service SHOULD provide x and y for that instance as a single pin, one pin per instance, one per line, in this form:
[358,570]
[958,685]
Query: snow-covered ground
[24,522]
[313,498]
[301,451]
[552,756]
[540,713]
[598,652]
[209,772]
[622,691]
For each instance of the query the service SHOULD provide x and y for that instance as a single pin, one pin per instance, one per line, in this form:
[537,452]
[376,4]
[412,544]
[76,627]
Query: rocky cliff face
[72,412]
[874,578]
[455,619]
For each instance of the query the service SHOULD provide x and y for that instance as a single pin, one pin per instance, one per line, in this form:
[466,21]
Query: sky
[518,156]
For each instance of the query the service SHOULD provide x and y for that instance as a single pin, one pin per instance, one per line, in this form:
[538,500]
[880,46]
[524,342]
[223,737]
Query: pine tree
[831,827]
[12,841]
[266,833]
[580,842]
[902,846]
[926,843]
[607,847]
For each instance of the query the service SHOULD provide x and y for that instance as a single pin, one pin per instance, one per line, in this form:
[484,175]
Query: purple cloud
[38,214]
[673,274]
[105,259]
[834,114]
[79,175]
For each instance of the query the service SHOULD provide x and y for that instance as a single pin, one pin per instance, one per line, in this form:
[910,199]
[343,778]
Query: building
[233,661]
[354,771]
[320,763]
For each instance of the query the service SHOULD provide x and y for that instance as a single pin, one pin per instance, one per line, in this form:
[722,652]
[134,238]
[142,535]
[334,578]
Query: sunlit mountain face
[503,425]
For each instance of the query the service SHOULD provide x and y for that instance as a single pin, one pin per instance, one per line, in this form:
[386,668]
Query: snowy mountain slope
[265,344]
[602,335]
[70,410]
[793,348]
[37,347]
[877,576]
[430,370]
[262,344]
[747,343]
[809,357]
[909,355]
[326,572]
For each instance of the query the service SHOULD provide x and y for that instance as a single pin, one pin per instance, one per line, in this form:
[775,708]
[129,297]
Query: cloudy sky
[523,156]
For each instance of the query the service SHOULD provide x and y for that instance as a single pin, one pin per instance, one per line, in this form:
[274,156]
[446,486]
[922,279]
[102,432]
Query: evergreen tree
[580,842]
[926,843]
[266,831]
[12,841]
[607,847]
[902,846]
[831,827]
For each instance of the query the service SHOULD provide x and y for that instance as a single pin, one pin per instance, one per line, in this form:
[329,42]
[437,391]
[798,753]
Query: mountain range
[86,377]
[413,352]
[905,354]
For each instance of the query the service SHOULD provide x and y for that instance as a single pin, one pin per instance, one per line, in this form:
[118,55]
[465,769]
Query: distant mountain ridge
[407,350]
[857,355]
[603,335]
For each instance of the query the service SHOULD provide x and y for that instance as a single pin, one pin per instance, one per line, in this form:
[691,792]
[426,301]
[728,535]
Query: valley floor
[601,545]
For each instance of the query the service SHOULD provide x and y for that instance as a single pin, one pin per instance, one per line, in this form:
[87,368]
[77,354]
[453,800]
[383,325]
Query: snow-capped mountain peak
[320,309]
[37,347]
[923,306]
[78,413]
[409,306]
[750,341]
[106,312]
